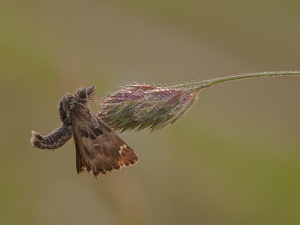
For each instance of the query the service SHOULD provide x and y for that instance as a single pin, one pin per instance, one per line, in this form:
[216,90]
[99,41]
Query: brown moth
[98,148]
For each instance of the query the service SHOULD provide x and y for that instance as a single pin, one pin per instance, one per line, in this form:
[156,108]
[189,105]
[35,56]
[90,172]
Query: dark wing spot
[83,133]
[92,135]
[97,131]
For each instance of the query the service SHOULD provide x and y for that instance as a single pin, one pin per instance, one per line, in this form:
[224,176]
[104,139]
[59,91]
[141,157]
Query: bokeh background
[233,159]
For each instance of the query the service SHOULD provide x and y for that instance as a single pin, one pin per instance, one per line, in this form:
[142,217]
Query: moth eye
[82,94]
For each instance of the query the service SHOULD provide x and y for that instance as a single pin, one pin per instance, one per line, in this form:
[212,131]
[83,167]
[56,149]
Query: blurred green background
[233,159]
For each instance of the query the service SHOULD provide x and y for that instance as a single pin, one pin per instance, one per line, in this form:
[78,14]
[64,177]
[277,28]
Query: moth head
[68,101]
[85,94]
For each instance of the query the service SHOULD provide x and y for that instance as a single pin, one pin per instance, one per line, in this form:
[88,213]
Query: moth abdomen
[54,140]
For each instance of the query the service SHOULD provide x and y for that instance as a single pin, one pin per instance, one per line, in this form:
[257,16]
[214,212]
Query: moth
[98,148]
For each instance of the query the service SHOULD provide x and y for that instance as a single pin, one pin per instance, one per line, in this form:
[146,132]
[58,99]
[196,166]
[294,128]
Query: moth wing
[99,149]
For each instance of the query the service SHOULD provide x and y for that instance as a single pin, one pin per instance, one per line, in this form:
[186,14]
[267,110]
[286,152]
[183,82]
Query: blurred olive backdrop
[233,159]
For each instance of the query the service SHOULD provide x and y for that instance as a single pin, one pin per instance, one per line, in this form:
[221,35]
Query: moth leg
[54,140]
[64,108]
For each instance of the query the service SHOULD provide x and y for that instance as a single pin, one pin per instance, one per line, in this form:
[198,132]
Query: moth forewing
[98,148]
